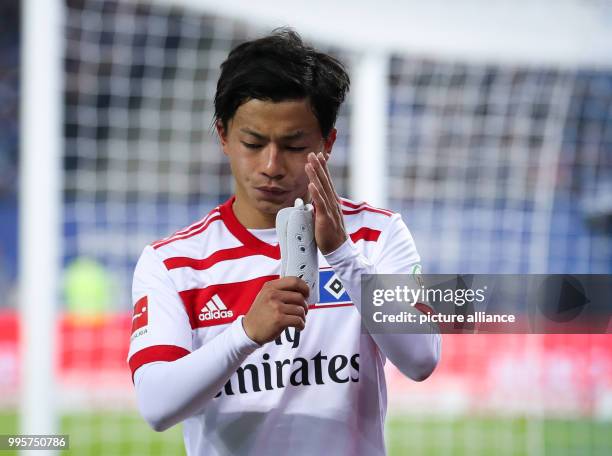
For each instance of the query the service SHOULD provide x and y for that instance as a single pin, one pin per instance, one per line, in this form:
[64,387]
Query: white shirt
[321,390]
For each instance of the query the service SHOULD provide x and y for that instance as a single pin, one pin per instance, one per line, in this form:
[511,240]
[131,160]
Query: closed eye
[296,149]
[251,145]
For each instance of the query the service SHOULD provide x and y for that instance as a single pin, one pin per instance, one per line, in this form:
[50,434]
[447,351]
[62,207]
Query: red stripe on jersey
[243,235]
[199,223]
[367,208]
[326,306]
[155,353]
[424,308]
[141,314]
[348,203]
[189,228]
[187,235]
[367,234]
[220,255]
[230,300]
[362,206]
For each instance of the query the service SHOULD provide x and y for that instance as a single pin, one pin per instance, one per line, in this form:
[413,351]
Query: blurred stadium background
[493,133]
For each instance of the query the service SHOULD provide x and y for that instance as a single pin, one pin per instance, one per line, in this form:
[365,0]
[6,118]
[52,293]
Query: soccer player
[219,341]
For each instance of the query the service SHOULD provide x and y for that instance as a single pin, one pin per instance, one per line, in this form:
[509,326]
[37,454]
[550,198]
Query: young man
[219,341]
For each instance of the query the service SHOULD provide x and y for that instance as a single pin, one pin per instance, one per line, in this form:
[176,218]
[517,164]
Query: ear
[222,135]
[329,141]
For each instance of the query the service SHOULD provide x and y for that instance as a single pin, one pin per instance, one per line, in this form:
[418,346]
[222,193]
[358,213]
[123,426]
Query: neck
[250,218]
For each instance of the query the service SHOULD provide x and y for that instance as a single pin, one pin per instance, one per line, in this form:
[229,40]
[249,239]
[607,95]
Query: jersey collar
[243,235]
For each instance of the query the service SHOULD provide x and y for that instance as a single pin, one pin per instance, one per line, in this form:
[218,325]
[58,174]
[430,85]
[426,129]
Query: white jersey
[321,390]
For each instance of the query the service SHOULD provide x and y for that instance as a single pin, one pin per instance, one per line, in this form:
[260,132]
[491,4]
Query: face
[267,144]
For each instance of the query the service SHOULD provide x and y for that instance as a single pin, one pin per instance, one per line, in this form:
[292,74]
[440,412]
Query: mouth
[272,193]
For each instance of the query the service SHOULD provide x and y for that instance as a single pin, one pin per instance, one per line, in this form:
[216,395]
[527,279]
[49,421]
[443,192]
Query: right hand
[280,303]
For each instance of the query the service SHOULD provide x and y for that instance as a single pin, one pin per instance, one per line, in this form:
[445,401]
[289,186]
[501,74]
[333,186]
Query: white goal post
[40,204]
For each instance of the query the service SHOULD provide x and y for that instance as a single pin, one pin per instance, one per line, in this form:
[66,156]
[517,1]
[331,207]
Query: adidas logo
[214,309]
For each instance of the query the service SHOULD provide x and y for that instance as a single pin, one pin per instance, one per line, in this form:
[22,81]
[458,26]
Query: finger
[331,182]
[330,194]
[318,186]
[324,158]
[323,174]
[293,298]
[318,201]
[318,177]
[291,283]
[292,309]
[313,176]
[294,321]
[318,165]
[328,174]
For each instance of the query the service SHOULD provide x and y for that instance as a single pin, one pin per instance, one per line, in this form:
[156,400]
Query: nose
[273,163]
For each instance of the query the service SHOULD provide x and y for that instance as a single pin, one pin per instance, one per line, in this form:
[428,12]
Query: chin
[272,207]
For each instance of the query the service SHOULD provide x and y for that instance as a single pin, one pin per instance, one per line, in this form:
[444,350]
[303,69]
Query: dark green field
[107,434]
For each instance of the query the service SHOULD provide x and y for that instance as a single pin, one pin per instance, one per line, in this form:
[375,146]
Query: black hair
[281,67]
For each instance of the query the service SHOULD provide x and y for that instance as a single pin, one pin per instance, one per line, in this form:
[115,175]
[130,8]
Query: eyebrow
[290,136]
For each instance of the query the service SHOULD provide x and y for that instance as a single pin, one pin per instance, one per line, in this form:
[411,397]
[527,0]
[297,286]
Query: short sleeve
[160,326]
